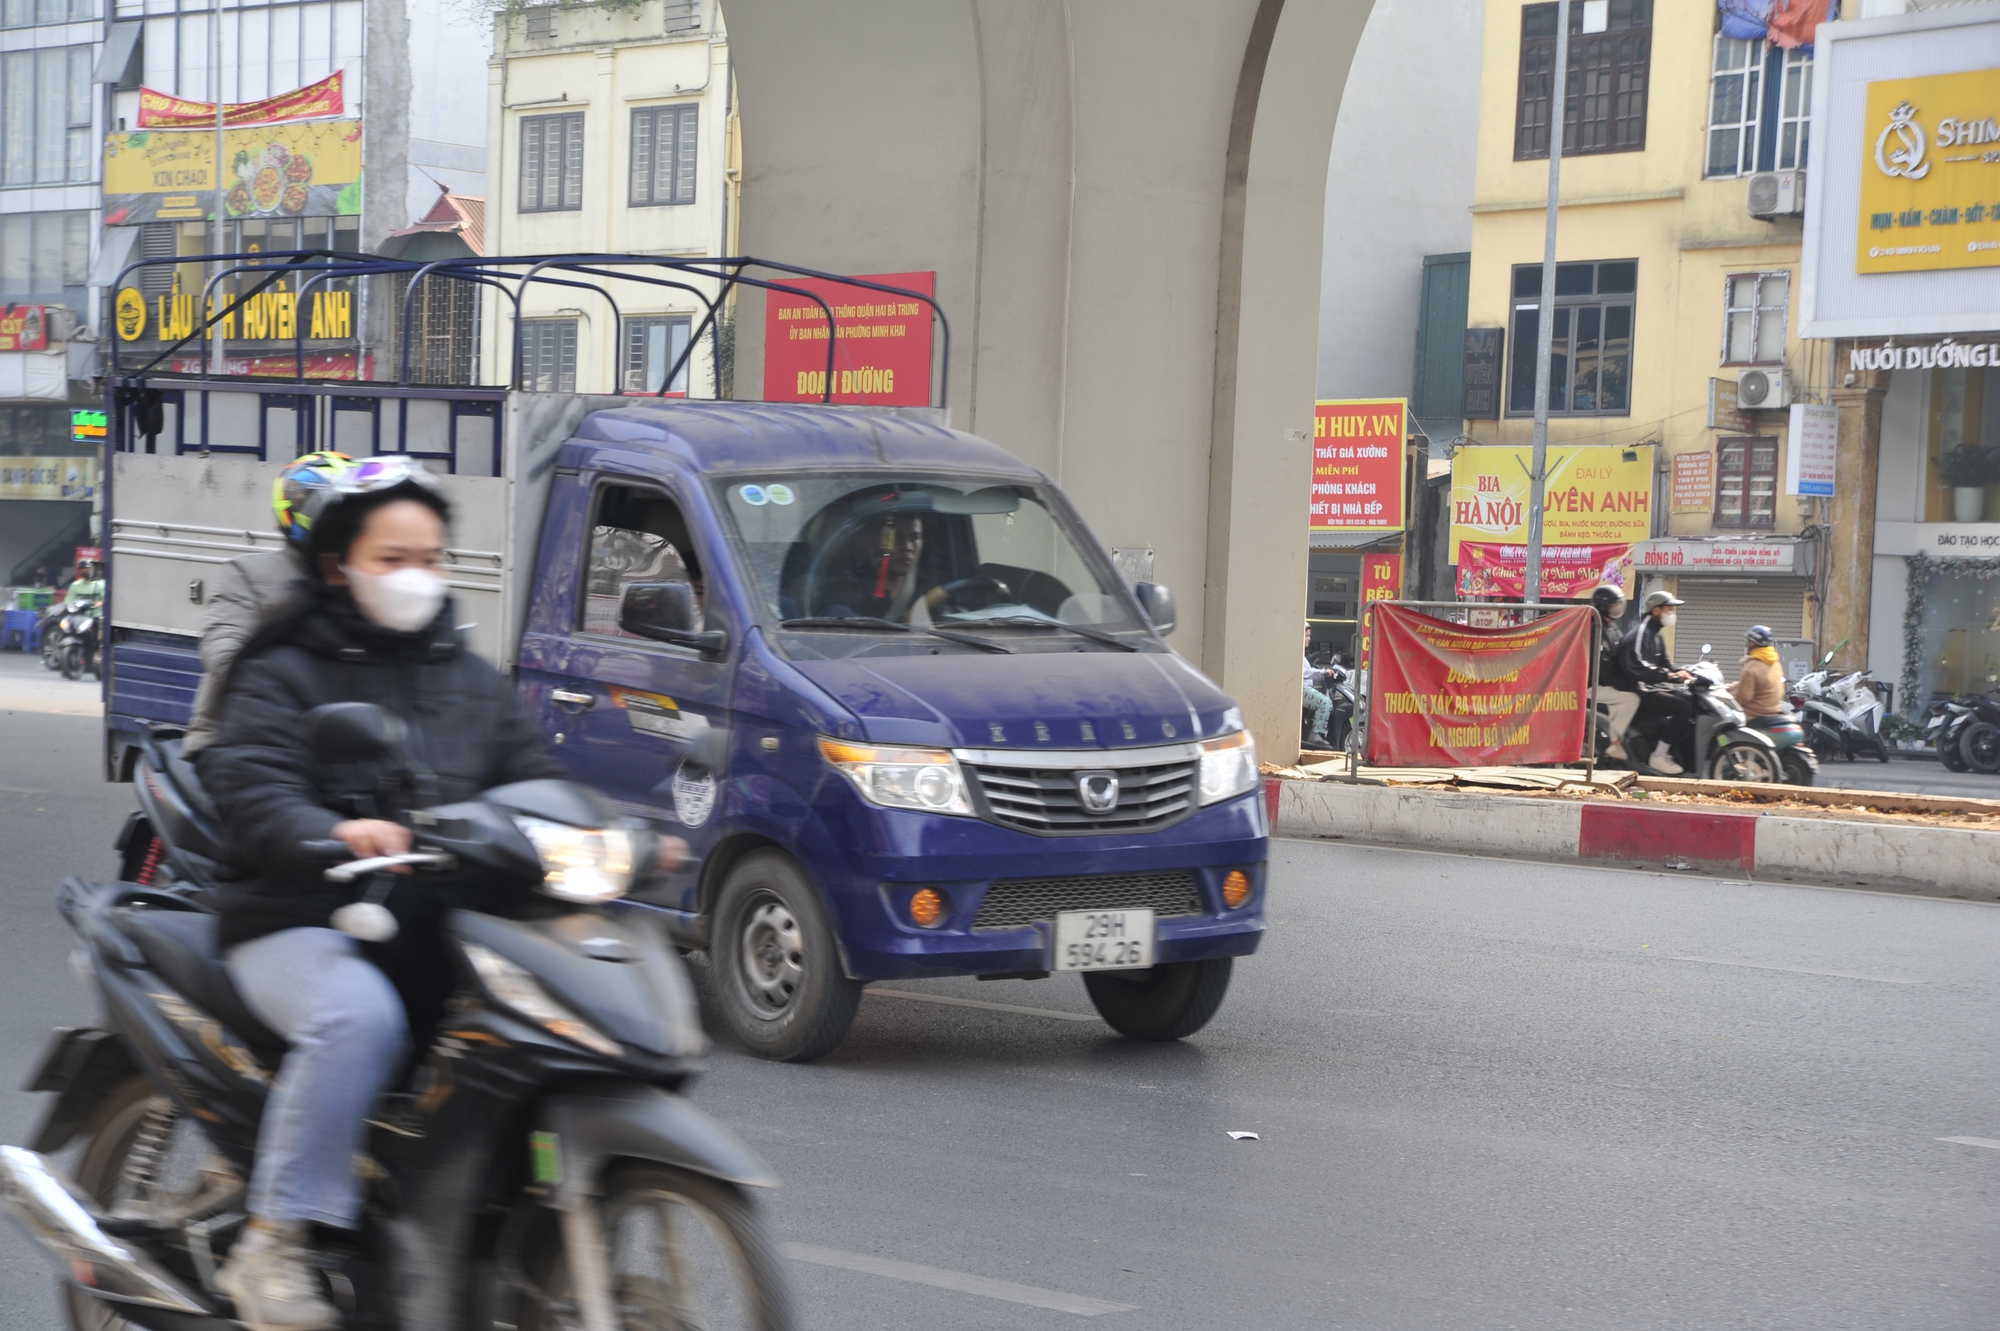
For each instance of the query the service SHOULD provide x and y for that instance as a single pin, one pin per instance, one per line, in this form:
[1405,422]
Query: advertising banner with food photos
[311,169]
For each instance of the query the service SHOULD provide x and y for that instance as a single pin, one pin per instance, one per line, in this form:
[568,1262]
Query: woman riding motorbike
[373,624]
[1760,689]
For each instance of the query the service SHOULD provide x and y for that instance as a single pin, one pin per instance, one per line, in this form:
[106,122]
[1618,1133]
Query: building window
[1746,482]
[540,25]
[1605,101]
[45,259]
[1590,360]
[552,163]
[1753,321]
[29,13]
[548,355]
[652,345]
[1759,108]
[683,15]
[45,116]
[663,154]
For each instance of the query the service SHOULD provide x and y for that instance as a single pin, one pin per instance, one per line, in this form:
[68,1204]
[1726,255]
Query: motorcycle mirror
[1707,647]
[353,732]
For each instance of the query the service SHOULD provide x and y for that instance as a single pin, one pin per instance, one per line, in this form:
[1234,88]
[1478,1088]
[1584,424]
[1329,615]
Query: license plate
[1103,940]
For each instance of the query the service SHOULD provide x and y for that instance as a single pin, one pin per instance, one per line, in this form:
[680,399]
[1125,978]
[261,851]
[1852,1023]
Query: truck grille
[1044,800]
[1010,904]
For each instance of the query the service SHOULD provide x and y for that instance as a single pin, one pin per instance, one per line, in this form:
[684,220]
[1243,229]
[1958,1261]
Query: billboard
[47,478]
[882,355]
[1357,476]
[24,328]
[1593,495]
[1901,235]
[159,110]
[1381,580]
[300,170]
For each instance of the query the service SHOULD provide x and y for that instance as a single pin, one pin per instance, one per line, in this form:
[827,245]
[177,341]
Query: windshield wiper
[1095,635]
[876,622]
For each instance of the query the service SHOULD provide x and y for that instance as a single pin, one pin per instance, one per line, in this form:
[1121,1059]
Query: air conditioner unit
[1763,390]
[1778,194]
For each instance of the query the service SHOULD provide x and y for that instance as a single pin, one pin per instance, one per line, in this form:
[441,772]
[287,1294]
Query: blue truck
[878,673]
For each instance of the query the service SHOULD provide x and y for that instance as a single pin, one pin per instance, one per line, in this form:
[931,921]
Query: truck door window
[638,535]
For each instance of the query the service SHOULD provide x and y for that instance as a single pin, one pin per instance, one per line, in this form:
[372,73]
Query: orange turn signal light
[1235,889]
[927,907]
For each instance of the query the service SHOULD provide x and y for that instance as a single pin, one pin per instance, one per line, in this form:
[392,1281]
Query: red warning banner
[1445,695]
[882,348]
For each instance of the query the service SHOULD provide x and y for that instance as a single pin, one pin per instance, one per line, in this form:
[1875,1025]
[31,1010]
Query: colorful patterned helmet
[295,484]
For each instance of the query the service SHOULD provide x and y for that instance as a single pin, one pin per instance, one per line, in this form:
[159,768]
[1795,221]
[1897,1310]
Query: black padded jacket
[465,724]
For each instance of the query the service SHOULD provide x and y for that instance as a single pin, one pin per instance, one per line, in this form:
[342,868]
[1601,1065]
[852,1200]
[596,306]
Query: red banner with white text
[1569,572]
[1445,695]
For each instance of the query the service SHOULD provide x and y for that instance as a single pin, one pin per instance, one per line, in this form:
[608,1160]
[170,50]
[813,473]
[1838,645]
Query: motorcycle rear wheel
[1801,767]
[684,1250]
[1979,747]
[1947,752]
[1746,763]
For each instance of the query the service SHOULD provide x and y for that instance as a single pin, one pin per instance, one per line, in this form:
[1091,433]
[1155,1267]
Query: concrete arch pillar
[1123,202]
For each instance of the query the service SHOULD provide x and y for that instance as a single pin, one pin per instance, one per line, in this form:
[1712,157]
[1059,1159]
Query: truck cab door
[624,712]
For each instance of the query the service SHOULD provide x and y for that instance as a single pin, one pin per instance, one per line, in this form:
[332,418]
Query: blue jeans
[347,1031]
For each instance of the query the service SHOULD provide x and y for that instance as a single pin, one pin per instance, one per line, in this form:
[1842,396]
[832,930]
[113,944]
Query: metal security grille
[1045,800]
[1016,902]
[1719,612]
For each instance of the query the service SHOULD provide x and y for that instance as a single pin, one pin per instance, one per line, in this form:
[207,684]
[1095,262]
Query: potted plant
[1967,471]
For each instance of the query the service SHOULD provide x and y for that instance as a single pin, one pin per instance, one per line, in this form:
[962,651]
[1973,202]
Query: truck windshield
[842,559]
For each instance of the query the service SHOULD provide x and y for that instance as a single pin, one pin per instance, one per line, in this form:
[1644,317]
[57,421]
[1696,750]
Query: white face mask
[403,601]
[1668,619]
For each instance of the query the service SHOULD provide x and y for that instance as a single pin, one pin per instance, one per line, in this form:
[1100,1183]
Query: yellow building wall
[1686,233]
[606,63]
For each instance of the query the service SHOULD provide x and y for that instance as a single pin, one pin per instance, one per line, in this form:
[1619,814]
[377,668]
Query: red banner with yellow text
[1569,572]
[159,110]
[1445,695]
[882,351]
[1381,580]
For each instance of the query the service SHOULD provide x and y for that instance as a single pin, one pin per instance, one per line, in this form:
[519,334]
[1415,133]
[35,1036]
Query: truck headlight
[513,988]
[895,777]
[1228,766]
[581,863]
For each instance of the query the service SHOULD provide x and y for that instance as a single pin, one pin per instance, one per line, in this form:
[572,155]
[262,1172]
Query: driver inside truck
[881,566]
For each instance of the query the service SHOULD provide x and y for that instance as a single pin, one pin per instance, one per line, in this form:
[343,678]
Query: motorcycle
[1727,747]
[1796,759]
[1842,713]
[78,633]
[51,635]
[1338,685]
[174,838]
[540,1167]
[1966,732]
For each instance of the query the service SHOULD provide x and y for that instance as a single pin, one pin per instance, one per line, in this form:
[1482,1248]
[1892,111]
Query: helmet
[371,480]
[314,471]
[1654,600]
[1608,599]
[1759,636]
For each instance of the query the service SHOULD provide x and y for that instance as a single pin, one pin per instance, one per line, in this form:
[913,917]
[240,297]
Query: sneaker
[271,1279]
[1617,751]
[1663,762]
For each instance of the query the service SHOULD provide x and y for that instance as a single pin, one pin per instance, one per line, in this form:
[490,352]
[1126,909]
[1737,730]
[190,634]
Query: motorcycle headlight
[1228,766]
[581,863]
[896,777]
[515,989]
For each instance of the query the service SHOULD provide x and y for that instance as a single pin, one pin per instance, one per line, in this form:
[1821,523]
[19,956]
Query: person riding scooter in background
[1317,705]
[1614,687]
[252,588]
[89,583]
[1760,689]
[1647,664]
[374,623]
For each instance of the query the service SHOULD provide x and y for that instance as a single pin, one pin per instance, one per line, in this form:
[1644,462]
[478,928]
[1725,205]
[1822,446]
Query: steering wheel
[996,591]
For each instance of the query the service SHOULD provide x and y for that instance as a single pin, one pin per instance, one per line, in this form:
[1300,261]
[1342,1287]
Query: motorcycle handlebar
[416,859]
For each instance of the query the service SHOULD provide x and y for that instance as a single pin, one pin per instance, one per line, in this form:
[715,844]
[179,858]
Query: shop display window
[1960,632]
[1964,415]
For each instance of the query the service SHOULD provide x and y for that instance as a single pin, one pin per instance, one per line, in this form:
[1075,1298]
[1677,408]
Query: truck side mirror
[666,612]
[1157,600]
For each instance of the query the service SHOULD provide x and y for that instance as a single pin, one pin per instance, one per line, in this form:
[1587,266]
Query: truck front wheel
[1169,1002]
[777,972]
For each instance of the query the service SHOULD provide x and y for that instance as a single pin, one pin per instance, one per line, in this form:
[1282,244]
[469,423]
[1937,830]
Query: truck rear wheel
[1169,1002]
[777,971]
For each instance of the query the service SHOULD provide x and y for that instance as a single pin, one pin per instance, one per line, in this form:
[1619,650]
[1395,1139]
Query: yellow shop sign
[1930,174]
[1593,495]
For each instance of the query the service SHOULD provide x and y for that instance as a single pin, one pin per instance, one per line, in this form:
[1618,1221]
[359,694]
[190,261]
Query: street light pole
[1545,317]
[215,231]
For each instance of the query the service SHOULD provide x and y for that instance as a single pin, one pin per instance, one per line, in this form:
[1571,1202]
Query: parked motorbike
[540,1167]
[78,633]
[174,838]
[1842,713]
[1945,724]
[1966,732]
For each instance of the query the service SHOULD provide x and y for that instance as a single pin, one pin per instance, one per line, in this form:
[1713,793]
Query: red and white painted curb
[1949,860]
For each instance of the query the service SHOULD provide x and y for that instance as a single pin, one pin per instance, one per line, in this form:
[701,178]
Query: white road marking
[984,1286]
[973,1002]
[1987,1142]
[1799,970]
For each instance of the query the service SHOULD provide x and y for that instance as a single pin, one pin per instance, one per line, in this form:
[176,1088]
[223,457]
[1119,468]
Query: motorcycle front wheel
[1947,752]
[683,1251]
[1979,747]
[72,660]
[1801,766]
[1746,762]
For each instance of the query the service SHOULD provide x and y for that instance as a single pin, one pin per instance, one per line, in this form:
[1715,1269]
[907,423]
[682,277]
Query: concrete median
[1946,861]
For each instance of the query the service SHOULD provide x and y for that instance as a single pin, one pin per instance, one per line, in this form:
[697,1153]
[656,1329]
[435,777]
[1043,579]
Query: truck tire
[778,978]
[1167,1002]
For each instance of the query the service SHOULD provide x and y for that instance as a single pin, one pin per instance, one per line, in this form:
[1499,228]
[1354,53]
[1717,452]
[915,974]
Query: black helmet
[1609,600]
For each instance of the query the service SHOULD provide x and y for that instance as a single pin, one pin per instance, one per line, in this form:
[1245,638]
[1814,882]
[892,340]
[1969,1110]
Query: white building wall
[1399,186]
[447,102]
